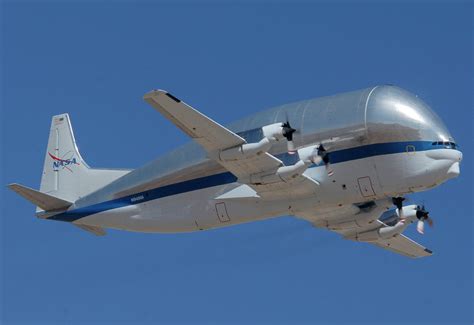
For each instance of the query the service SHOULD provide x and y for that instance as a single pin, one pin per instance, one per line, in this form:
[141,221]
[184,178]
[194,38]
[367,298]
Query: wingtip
[154,92]
[61,115]
[12,186]
[157,92]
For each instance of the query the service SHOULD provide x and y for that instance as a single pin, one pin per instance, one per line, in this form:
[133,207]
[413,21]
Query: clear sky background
[95,60]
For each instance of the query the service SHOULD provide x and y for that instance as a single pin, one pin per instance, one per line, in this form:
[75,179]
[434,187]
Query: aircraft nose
[448,154]
[449,158]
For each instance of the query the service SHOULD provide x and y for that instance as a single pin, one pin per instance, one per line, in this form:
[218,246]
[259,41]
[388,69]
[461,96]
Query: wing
[210,134]
[215,138]
[403,245]
[364,222]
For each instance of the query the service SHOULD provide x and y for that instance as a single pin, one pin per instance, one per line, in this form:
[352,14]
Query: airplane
[344,163]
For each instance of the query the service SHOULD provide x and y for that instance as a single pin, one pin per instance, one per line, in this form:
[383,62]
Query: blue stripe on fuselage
[157,193]
[227,177]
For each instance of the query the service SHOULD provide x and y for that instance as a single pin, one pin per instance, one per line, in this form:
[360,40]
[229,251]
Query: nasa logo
[63,162]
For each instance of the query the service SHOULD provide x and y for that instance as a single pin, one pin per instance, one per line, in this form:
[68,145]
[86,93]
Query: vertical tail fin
[65,173]
[63,164]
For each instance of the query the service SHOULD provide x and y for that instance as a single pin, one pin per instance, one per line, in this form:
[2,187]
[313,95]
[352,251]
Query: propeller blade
[398,202]
[323,155]
[420,226]
[423,216]
[430,222]
[329,170]
[291,147]
[321,150]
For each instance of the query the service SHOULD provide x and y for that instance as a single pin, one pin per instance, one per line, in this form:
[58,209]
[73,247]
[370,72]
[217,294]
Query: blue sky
[95,60]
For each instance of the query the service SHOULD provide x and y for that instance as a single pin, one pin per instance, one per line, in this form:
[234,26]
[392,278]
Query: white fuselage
[354,181]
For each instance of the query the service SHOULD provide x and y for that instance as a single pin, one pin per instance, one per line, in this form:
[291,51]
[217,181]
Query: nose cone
[394,114]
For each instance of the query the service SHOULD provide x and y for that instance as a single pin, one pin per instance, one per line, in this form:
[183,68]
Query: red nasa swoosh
[59,159]
[56,158]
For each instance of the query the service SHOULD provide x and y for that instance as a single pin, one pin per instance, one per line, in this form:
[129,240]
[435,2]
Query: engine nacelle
[285,174]
[273,131]
[354,221]
[381,233]
[245,151]
[308,154]
[386,232]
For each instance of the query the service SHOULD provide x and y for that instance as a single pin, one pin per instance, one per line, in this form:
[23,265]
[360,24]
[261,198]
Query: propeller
[324,156]
[398,202]
[288,134]
[422,216]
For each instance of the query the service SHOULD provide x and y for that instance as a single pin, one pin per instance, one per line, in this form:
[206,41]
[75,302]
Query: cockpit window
[445,144]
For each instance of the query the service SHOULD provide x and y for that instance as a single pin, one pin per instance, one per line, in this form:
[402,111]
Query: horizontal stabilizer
[42,200]
[98,231]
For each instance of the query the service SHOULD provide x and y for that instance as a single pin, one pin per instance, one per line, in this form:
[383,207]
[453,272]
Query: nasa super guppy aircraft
[342,162]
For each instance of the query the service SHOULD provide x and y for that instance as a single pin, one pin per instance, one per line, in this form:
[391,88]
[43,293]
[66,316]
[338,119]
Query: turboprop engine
[400,220]
[271,133]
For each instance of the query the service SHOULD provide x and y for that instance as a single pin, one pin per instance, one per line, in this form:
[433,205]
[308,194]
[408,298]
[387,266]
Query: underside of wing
[403,245]
[361,223]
